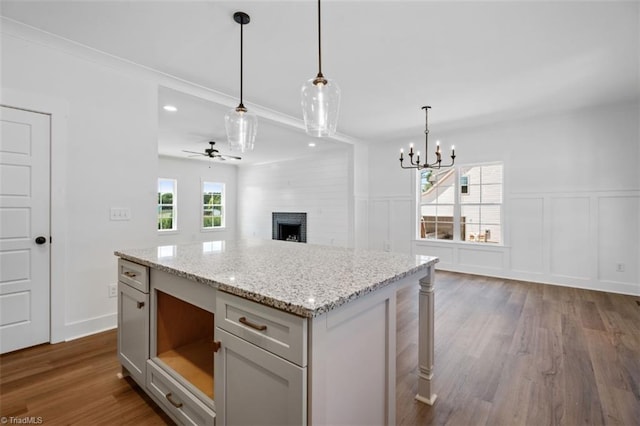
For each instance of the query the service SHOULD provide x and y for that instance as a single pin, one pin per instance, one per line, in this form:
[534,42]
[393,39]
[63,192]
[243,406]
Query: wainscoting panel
[618,222]
[401,234]
[488,259]
[379,226]
[571,236]
[444,253]
[361,225]
[527,234]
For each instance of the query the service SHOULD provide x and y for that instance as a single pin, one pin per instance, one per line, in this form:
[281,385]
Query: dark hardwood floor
[507,353]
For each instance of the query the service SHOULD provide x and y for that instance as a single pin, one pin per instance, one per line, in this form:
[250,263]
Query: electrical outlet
[619,267]
[113,290]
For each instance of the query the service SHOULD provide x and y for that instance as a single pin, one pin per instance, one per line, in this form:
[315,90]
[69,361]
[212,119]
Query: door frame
[58,110]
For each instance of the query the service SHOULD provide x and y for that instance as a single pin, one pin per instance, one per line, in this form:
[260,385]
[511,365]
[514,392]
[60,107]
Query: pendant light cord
[319,42]
[241,45]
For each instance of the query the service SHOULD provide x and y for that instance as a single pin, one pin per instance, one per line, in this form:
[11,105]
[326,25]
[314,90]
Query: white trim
[76,330]
[58,109]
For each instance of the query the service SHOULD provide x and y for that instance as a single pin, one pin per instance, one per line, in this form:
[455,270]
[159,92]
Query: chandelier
[437,164]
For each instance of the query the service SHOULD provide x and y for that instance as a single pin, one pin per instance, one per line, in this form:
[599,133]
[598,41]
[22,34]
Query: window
[462,203]
[212,205]
[167,205]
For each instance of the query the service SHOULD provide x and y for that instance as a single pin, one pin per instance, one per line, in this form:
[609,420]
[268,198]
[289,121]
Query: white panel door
[24,216]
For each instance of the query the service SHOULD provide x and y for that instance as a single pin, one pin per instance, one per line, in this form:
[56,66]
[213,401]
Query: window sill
[168,232]
[425,242]
[218,229]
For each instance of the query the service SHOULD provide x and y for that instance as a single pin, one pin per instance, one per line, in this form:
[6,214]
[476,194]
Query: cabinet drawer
[137,276]
[184,407]
[278,332]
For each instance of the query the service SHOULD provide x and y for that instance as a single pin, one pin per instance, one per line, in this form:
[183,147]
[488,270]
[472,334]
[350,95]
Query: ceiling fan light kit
[241,125]
[320,99]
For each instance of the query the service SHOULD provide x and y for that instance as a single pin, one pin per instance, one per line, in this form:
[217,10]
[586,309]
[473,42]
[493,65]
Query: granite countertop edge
[272,302]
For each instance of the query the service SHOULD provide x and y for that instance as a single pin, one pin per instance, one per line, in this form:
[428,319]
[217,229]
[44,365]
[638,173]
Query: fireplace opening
[288,232]
[288,226]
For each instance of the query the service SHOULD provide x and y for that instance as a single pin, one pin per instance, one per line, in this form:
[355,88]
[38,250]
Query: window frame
[174,205]
[222,206]
[458,204]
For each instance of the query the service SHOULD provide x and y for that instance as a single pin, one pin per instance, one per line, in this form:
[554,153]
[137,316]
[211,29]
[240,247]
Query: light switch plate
[120,213]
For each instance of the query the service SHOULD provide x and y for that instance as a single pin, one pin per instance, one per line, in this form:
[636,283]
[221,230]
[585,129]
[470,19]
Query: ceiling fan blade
[230,156]
[193,152]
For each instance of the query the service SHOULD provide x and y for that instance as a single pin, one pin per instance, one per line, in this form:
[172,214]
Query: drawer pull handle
[140,305]
[130,274]
[170,399]
[246,322]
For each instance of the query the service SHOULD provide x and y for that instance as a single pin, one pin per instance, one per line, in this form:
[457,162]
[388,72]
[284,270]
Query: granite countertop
[304,279]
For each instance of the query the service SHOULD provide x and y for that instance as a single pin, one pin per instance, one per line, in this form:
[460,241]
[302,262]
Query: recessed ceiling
[198,121]
[473,62]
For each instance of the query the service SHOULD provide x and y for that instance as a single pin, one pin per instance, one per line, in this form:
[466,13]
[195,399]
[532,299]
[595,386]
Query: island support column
[426,337]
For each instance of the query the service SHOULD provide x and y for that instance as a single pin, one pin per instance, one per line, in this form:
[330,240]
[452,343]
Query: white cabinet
[260,368]
[256,387]
[133,320]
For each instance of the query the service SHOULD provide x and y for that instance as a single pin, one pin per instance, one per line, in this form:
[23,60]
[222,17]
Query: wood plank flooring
[507,353]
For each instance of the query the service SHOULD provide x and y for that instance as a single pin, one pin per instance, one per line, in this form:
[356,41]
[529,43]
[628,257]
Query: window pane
[490,214]
[492,193]
[469,231]
[446,194]
[445,213]
[472,196]
[165,217]
[492,174]
[428,210]
[470,214]
[490,233]
[166,204]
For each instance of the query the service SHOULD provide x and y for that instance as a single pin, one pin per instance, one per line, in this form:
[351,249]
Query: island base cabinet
[255,387]
[133,331]
[176,400]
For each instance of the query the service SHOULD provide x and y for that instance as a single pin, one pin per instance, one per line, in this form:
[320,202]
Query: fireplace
[288,226]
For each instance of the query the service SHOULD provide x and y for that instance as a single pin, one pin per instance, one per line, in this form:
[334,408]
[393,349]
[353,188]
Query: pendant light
[241,124]
[320,99]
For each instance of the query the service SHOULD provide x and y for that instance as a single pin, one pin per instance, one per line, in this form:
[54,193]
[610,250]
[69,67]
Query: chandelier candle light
[320,99]
[436,164]
[241,125]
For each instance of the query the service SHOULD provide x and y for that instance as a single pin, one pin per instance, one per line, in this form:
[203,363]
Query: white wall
[108,158]
[572,199]
[317,185]
[189,174]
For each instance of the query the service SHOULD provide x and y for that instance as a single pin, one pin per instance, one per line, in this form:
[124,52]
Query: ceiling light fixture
[436,164]
[241,124]
[170,108]
[320,99]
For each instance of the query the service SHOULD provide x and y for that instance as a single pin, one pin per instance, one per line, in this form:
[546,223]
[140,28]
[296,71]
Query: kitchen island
[269,332]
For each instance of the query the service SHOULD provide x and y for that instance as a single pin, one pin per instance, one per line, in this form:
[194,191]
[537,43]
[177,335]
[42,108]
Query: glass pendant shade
[320,105]
[242,127]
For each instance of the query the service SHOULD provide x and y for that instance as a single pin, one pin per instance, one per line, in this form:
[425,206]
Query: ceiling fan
[211,152]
